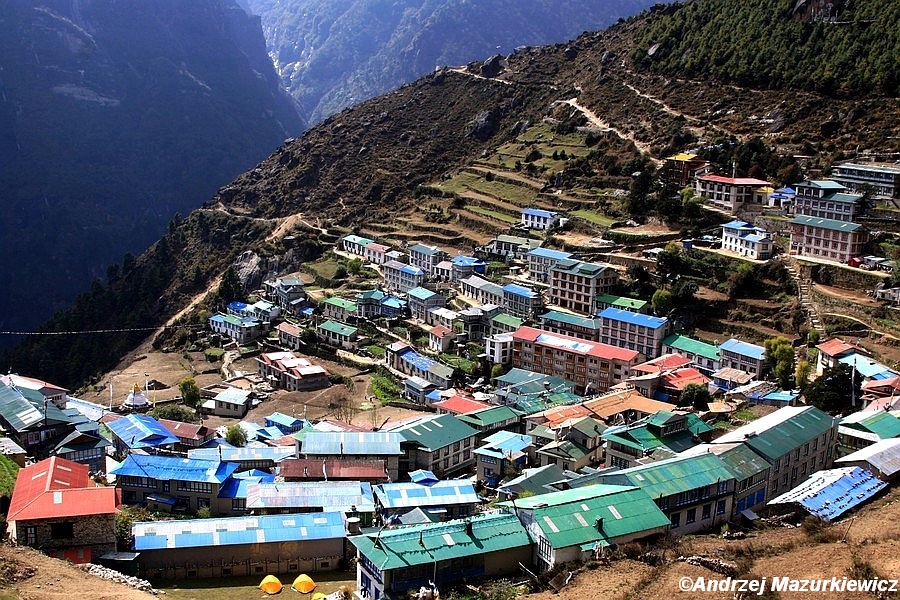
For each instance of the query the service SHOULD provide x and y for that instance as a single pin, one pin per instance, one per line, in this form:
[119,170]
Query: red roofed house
[622,407]
[553,417]
[290,372]
[593,366]
[730,193]
[833,350]
[190,435]
[289,335]
[337,469]
[666,362]
[459,405]
[57,509]
[440,338]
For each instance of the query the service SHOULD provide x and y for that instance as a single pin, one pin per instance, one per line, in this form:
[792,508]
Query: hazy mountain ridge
[366,165]
[332,54]
[113,117]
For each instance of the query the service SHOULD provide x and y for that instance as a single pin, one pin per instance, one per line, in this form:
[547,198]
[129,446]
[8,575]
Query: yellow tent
[270,585]
[303,584]
[318,596]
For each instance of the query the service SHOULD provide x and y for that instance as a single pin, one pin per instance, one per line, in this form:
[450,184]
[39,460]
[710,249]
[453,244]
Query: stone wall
[97,532]
[841,276]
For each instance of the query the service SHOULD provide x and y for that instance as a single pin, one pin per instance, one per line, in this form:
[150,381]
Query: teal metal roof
[570,517]
[488,417]
[621,302]
[570,319]
[674,475]
[508,320]
[432,543]
[883,424]
[647,435]
[341,303]
[825,223]
[692,346]
[743,462]
[338,328]
[780,432]
[437,432]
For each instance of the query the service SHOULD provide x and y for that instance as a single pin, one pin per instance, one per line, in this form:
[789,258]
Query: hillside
[451,158]
[114,116]
[335,53]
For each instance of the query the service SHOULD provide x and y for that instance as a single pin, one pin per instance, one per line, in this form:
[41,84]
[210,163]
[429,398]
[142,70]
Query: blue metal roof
[467,261]
[332,495]
[439,493]
[246,453]
[504,444]
[519,290]
[141,431]
[627,316]
[351,443]
[237,488]
[422,476]
[421,293]
[417,360]
[198,533]
[172,468]
[737,224]
[549,253]
[867,367]
[829,494]
[238,306]
[743,348]
[283,420]
[411,270]
[538,212]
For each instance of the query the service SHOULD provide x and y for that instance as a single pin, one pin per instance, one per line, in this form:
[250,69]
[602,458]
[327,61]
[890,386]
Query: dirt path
[597,121]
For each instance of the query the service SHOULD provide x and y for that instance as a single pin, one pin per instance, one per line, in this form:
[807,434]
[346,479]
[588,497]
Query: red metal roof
[665,362]
[836,347]
[553,416]
[573,344]
[56,487]
[615,403]
[440,331]
[190,431]
[310,468]
[680,378]
[460,405]
[734,180]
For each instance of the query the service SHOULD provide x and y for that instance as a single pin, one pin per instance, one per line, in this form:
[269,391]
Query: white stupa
[136,400]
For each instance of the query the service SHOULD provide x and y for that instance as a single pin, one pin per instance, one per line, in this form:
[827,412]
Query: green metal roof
[489,416]
[437,432]
[569,518]
[883,424]
[646,435]
[831,224]
[564,449]
[434,542]
[743,462]
[621,302]
[338,328]
[577,320]
[782,431]
[508,320]
[686,344]
[341,303]
[674,475]
[589,426]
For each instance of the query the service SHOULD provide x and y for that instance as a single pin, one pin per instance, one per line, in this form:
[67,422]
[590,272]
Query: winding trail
[594,119]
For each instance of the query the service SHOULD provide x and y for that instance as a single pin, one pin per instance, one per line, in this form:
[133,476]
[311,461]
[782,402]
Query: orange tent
[270,585]
[303,584]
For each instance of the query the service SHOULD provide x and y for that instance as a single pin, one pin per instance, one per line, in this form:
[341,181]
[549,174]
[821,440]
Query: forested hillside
[777,44]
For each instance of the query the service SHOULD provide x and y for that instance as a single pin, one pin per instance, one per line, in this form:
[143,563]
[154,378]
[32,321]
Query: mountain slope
[113,117]
[335,53]
[381,162]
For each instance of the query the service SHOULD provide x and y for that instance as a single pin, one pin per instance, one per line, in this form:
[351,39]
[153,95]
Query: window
[676,520]
[720,507]
[62,530]
[31,535]
[691,516]
[707,511]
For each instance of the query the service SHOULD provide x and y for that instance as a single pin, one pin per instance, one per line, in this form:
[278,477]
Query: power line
[92,331]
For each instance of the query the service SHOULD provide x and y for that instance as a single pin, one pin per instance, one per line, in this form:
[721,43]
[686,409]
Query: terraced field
[540,168]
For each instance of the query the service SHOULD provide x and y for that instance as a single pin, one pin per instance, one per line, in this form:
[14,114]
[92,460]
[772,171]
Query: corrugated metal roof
[359,443]
[55,488]
[533,480]
[571,519]
[674,475]
[170,468]
[883,455]
[432,543]
[332,495]
[436,432]
[743,462]
[246,453]
[504,444]
[780,432]
[829,494]
[198,533]
[489,416]
[141,431]
[440,493]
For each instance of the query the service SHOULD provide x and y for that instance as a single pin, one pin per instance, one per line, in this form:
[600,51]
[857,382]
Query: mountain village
[548,421]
